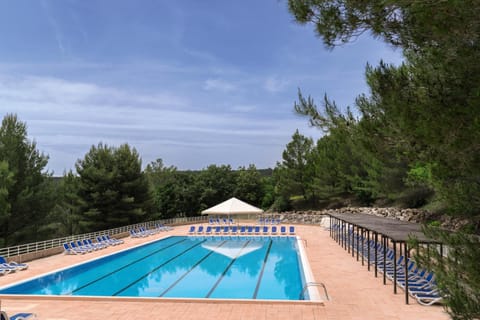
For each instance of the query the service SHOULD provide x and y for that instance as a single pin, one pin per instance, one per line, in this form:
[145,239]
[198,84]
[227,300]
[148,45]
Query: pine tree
[248,186]
[113,189]
[26,188]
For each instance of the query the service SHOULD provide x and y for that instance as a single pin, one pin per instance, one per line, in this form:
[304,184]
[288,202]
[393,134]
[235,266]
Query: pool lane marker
[261,271]
[226,270]
[123,267]
[156,268]
[189,270]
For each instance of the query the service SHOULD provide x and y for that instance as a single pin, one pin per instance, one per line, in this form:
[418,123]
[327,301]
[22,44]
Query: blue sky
[191,82]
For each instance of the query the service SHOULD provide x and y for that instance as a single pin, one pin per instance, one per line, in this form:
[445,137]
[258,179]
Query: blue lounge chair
[415,275]
[18,266]
[70,250]
[283,230]
[257,230]
[218,229]
[242,230]
[3,271]
[390,266]
[100,240]
[200,230]
[141,232]
[231,221]
[208,230]
[115,241]
[88,247]
[428,280]
[265,230]
[249,230]
[428,299]
[163,227]
[427,289]
[411,273]
[8,268]
[119,241]
[292,230]
[96,244]
[210,221]
[18,316]
[274,229]
[226,230]
[134,234]
[389,263]
[145,231]
[234,230]
[192,230]
[73,245]
[85,243]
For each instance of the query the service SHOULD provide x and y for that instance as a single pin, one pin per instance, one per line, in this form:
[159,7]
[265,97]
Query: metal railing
[58,242]
[313,284]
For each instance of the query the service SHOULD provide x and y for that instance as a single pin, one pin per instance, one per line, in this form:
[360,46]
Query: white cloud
[55,26]
[73,94]
[275,84]
[243,108]
[67,117]
[219,85]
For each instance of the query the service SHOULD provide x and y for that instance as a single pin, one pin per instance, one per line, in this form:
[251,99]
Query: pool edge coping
[160,300]
[313,292]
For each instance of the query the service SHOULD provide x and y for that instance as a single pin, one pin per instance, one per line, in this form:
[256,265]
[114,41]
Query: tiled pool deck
[354,292]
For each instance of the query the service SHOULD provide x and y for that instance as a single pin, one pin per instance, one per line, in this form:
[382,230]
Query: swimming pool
[185,267]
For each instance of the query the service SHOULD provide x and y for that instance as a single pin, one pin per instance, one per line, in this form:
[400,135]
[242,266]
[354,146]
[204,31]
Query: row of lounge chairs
[87,245]
[142,232]
[243,230]
[222,221]
[10,267]
[264,221]
[421,282]
[230,221]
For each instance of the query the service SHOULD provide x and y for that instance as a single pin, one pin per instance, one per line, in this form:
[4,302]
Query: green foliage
[409,24]
[248,185]
[421,174]
[6,181]
[26,194]
[293,174]
[64,219]
[422,113]
[268,191]
[217,184]
[187,193]
[458,273]
[175,192]
[420,123]
[112,187]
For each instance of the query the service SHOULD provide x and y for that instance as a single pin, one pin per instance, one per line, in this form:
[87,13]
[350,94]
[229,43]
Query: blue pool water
[184,267]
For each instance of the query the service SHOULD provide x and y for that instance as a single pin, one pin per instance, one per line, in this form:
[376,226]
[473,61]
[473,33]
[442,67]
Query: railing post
[368,249]
[395,267]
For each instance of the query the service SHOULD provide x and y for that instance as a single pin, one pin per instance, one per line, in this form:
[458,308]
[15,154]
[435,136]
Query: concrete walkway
[354,291]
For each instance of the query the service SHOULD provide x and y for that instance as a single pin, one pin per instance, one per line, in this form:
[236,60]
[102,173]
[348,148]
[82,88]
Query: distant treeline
[108,189]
